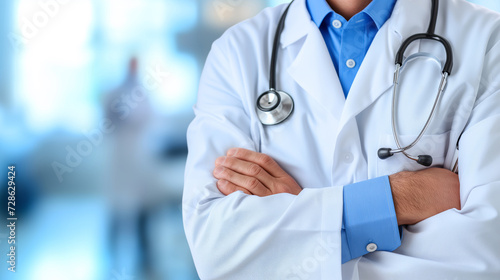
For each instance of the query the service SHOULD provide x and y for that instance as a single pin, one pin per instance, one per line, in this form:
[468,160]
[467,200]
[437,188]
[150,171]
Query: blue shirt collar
[378,10]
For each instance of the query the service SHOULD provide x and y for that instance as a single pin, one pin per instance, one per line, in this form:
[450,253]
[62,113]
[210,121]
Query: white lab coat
[330,141]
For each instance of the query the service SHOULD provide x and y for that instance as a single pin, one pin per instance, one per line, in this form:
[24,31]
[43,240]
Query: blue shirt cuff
[369,219]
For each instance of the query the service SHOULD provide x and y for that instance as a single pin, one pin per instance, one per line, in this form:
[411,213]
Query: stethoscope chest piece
[274,107]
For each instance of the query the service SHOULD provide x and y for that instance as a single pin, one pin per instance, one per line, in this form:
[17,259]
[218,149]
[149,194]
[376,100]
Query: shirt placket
[351,51]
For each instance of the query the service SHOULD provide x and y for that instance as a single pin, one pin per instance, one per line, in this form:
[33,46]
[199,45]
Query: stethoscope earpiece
[425,160]
[385,153]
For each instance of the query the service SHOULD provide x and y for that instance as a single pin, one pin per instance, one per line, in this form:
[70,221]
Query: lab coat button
[372,247]
[351,63]
[337,24]
[348,158]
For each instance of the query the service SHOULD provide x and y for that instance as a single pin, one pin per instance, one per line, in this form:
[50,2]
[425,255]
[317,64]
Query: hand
[253,173]
[422,194]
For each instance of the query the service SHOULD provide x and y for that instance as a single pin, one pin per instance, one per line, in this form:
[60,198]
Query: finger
[251,184]
[228,188]
[262,160]
[247,168]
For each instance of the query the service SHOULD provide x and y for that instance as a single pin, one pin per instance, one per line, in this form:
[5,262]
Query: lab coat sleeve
[465,244]
[479,165]
[475,229]
[248,237]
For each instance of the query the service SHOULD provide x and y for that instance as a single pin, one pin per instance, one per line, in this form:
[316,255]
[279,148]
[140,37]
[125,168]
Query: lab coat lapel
[376,73]
[312,67]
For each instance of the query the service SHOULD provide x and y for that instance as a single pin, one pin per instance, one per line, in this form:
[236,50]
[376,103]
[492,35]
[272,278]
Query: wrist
[404,189]
[421,194]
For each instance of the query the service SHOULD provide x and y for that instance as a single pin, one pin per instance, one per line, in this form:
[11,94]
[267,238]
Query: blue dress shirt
[369,220]
[348,41]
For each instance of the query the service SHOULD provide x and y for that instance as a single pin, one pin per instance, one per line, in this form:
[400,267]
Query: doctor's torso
[330,140]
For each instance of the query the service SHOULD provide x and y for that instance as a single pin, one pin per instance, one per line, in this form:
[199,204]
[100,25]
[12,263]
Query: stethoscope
[275,106]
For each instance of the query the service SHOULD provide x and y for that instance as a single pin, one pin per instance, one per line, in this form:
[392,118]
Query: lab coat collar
[411,17]
[376,73]
[312,68]
[297,24]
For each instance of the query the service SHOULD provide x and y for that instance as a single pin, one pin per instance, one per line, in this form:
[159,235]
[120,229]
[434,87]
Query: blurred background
[95,100]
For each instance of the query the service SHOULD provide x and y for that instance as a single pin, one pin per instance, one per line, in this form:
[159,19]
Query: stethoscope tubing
[448,66]
[446,72]
[276,44]
[441,88]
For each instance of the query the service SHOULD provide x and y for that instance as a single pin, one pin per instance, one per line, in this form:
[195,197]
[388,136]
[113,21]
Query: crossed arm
[417,195]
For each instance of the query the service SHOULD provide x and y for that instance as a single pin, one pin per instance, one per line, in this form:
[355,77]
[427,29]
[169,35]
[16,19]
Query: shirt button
[372,247]
[336,23]
[350,63]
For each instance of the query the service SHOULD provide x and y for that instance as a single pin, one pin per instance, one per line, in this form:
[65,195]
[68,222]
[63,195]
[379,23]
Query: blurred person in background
[131,166]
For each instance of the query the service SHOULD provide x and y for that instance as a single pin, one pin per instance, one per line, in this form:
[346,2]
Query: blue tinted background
[95,99]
